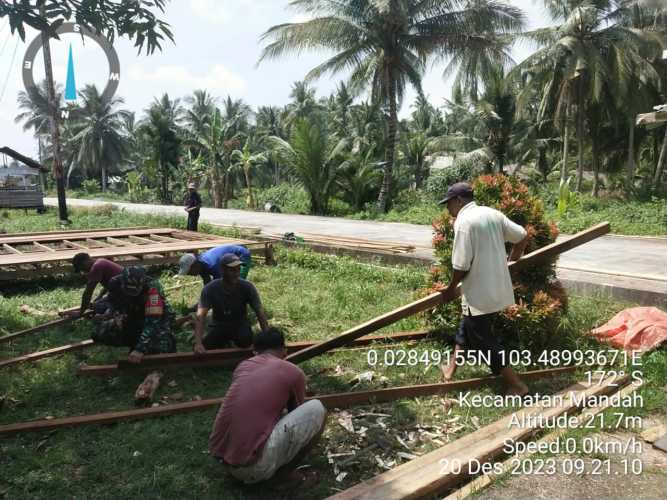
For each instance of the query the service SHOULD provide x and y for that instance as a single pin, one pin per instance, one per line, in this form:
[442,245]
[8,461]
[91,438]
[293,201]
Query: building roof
[23,159]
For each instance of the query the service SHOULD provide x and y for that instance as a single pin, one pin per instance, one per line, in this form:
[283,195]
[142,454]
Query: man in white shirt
[479,263]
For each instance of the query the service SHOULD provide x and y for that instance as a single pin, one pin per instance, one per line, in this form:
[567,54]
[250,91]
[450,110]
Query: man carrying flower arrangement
[479,264]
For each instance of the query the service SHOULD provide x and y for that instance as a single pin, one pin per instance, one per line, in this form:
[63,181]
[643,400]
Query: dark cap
[230,260]
[462,189]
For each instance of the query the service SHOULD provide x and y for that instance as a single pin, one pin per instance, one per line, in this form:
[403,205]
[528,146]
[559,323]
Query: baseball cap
[459,189]
[230,260]
[185,263]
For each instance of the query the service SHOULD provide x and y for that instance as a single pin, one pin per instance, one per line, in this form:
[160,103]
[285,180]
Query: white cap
[185,263]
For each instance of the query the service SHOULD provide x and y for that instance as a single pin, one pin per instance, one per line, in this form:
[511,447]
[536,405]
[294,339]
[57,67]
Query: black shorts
[475,333]
[220,335]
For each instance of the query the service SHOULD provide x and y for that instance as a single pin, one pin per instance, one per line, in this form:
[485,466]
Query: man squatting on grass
[263,428]
[479,262]
[97,271]
[136,314]
[229,298]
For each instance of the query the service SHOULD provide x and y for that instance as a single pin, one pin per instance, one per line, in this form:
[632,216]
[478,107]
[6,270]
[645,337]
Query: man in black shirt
[229,298]
[192,206]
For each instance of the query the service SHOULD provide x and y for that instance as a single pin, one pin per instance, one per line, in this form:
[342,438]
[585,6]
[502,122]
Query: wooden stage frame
[26,256]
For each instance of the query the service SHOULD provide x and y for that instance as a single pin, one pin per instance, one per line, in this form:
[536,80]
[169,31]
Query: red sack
[635,329]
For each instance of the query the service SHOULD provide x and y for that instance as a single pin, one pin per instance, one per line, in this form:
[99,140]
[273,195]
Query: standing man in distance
[479,263]
[264,427]
[97,271]
[229,298]
[192,206]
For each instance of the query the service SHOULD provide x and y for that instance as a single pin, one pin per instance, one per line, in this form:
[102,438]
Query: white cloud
[224,11]
[218,78]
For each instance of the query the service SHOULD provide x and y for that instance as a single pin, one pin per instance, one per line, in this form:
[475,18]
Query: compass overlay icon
[70,89]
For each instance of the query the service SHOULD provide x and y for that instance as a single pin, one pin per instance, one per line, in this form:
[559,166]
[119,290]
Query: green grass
[313,297]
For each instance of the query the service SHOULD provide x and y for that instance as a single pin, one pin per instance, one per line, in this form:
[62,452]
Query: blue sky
[216,47]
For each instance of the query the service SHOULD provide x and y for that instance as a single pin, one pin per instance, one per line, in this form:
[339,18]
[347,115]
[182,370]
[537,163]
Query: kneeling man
[229,298]
[263,428]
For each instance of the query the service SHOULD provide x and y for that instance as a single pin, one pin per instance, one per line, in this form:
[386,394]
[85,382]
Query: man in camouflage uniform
[136,314]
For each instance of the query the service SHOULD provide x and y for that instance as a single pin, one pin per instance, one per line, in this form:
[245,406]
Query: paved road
[644,258]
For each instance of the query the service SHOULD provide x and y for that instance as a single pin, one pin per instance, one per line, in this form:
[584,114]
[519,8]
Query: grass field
[312,297]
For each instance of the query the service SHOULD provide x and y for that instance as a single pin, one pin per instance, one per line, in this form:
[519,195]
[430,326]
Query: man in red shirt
[97,271]
[263,428]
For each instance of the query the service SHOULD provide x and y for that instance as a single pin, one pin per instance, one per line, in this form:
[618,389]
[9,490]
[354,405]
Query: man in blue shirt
[207,265]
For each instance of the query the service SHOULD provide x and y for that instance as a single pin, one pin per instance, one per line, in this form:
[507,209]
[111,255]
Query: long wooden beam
[429,475]
[27,358]
[435,299]
[36,329]
[226,358]
[330,401]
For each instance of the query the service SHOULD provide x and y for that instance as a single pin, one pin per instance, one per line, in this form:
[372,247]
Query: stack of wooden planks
[40,254]
[346,242]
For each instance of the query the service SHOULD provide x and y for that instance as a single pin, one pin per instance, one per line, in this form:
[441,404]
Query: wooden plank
[239,353]
[43,247]
[483,481]
[141,241]
[36,329]
[64,233]
[435,299]
[330,401]
[166,239]
[158,248]
[122,243]
[11,249]
[35,356]
[226,358]
[427,476]
[94,233]
[75,245]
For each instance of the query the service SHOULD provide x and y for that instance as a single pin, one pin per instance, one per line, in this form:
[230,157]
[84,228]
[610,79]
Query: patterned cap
[133,280]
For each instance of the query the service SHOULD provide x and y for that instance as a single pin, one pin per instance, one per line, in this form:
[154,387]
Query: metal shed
[19,184]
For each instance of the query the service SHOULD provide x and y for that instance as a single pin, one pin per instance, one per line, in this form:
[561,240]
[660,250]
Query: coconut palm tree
[585,59]
[97,134]
[246,159]
[161,131]
[313,159]
[385,45]
[199,111]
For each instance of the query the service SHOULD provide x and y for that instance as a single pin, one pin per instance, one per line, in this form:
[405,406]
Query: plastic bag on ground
[636,329]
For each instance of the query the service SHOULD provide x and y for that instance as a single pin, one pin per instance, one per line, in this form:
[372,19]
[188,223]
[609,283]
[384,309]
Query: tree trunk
[596,167]
[104,179]
[54,123]
[418,175]
[661,162]
[216,186]
[580,139]
[630,181]
[566,143]
[383,198]
[250,201]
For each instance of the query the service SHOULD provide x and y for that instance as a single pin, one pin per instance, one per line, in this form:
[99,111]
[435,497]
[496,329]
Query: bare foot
[447,370]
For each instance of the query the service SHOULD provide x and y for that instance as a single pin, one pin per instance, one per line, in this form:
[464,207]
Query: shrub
[290,198]
[91,186]
[540,299]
